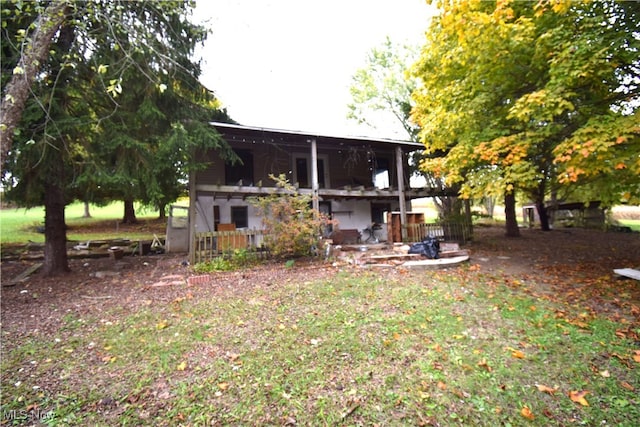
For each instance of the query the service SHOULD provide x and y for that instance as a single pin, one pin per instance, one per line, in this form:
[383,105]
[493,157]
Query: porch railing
[212,244]
[449,231]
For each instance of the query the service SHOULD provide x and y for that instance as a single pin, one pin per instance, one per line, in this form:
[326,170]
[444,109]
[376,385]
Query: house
[354,180]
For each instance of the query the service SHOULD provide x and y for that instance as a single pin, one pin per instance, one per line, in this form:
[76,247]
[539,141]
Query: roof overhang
[250,134]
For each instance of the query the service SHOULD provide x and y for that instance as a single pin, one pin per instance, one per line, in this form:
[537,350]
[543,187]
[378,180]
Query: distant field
[626,215]
[19,225]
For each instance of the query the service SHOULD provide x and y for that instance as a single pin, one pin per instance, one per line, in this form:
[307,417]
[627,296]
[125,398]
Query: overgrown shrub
[292,227]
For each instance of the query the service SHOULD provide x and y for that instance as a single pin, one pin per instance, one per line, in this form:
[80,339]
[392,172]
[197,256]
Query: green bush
[292,227]
[239,258]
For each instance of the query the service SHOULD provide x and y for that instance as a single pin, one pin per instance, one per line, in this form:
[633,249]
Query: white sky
[288,64]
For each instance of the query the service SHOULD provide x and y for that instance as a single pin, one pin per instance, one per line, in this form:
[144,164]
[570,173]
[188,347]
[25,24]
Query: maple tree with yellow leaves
[537,99]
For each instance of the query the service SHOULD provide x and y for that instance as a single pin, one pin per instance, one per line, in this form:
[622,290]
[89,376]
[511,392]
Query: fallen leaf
[182,366]
[109,359]
[623,359]
[526,412]
[517,354]
[232,356]
[578,323]
[636,356]
[579,397]
[605,374]
[484,364]
[441,385]
[546,389]
[162,324]
[627,386]
[223,386]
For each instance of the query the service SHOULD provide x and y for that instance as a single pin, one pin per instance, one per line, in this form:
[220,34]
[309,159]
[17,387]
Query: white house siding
[204,212]
[350,214]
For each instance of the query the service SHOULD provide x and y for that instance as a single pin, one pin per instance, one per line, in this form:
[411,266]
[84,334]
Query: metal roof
[309,135]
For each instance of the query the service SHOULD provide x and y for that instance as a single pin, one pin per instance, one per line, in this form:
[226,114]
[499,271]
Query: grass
[633,224]
[19,225]
[451,347]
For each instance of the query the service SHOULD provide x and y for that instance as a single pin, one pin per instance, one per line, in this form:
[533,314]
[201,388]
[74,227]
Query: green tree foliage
[539,98]
[381,93]
[153,129]
[292,227]
[383,86]
[115,108]
[19,70]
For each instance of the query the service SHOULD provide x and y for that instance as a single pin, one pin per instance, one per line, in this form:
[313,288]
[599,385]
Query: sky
[288,64]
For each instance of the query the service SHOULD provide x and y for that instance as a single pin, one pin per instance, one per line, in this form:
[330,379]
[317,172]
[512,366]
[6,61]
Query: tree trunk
[468,215]
[489,204]
[129,213]
[511,225]
[543,215]
[55,229]
[34,54]
[162,211]
[87,213]
[450,207]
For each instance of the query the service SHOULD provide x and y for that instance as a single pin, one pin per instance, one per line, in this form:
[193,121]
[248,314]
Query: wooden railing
[449,231]
[213,244]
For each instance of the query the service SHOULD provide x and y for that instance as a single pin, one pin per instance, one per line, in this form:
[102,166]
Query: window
[234,173]
[302,172]
[379,212]
[240,216]
[178,216]
[216,217]
[381,174]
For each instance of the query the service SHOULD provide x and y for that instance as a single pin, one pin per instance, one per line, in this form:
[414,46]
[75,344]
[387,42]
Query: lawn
[19,225]
[282,346]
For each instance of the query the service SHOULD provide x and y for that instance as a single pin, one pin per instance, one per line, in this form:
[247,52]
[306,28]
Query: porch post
[401,198]
[315,202]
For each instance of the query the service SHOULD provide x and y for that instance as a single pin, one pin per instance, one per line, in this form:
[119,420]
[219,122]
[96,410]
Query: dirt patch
[538,252]
[571,265]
